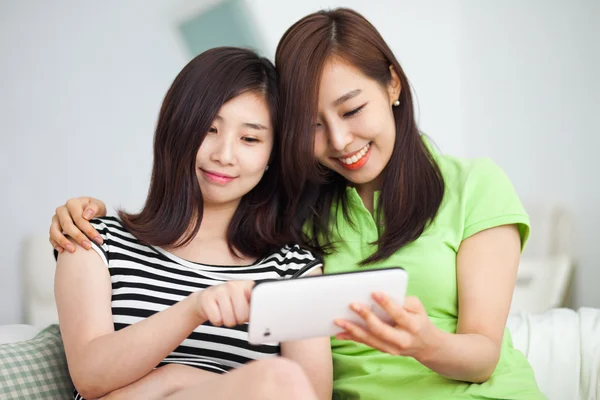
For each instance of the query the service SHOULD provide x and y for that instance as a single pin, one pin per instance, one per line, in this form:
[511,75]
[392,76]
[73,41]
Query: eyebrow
[251,125]
[347,97]
[255,126]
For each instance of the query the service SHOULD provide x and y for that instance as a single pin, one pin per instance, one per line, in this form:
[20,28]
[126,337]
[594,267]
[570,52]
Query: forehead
[247,107]
[339,77]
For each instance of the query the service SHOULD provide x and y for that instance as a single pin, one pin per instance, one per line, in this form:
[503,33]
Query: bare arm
[486,268]
[314,356]
[162,382]
[100,359]
[487,264]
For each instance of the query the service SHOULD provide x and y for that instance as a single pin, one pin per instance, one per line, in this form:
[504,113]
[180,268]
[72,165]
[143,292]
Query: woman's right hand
[225,304]
[72,220]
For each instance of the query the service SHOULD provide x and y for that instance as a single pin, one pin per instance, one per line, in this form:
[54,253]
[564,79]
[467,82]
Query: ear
[394,87]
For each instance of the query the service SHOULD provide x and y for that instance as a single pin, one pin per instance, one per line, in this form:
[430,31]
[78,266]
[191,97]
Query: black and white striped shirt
[147,279]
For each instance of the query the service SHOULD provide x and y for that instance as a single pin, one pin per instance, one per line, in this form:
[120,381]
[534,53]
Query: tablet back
[285,310]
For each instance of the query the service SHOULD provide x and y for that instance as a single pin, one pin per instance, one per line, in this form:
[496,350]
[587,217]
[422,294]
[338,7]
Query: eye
[354,112]
[212,130]
[250,139]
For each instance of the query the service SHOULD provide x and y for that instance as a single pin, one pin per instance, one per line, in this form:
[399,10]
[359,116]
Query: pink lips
[216,177]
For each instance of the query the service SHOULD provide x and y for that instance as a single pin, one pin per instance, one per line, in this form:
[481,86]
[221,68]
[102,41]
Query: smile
[356,160]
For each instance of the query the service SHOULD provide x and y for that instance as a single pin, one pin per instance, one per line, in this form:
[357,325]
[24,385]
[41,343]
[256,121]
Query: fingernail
[86,244]
[88,214]
[70,248]
[339,323]
[98,239]
[378,296]
[355,307]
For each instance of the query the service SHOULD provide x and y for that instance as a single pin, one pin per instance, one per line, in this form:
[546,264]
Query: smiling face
[355,131]
[233,156]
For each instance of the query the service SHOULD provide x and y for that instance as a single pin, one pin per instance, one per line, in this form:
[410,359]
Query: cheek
[373,124]
[255,161]
[390,131]
[203,153]
[320,147]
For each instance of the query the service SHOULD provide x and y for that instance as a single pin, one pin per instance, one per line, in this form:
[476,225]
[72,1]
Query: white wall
[531,81]
[80,88]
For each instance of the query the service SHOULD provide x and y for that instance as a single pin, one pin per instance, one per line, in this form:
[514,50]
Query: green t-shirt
[478,196]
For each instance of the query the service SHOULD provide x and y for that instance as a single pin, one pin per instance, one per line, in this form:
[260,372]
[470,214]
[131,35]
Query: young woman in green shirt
[367,190]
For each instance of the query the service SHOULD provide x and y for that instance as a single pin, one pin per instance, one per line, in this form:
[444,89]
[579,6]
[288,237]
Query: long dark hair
[173,210]
[413,185]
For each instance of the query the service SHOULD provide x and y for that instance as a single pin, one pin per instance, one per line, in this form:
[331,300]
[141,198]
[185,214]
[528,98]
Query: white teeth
[357,156]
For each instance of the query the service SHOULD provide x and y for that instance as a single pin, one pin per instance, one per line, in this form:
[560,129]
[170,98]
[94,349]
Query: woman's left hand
[411,333]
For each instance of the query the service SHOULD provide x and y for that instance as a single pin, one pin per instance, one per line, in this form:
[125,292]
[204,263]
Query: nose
[339,136]
[224,151]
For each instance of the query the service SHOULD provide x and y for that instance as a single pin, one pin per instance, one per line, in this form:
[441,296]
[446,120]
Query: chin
[361,180]
[216,199]
[360,177]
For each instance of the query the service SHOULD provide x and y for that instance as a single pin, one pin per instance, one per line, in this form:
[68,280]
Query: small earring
[267,167]
[396,103]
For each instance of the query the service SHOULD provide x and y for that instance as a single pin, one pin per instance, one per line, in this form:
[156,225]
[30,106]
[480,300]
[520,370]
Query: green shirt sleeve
[490,200]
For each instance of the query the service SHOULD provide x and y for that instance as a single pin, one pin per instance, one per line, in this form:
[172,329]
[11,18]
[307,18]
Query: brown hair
[413,185]
[173,210]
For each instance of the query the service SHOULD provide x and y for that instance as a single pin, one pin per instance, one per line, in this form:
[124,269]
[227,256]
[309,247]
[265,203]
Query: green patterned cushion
[35,368]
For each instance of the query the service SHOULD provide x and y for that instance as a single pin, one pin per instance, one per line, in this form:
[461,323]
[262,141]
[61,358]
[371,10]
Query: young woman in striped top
[159,308]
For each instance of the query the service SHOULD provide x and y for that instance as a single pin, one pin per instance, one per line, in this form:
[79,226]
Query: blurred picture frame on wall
[222,23]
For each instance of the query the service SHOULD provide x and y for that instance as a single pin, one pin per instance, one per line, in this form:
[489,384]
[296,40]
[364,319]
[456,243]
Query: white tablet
[292,309]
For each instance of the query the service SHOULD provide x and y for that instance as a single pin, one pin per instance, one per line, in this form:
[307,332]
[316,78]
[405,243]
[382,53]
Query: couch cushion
[35,368]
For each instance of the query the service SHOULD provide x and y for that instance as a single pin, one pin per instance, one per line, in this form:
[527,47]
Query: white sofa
[563,347]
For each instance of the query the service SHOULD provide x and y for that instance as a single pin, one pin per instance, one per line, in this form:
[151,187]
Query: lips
[356,160]
[353,158]
[217,177]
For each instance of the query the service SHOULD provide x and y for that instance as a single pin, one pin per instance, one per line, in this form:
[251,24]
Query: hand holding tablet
[286,310]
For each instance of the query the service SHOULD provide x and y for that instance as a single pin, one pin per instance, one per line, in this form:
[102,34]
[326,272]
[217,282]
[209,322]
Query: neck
[366,191]
[209,245]
[213,227]
[215,221]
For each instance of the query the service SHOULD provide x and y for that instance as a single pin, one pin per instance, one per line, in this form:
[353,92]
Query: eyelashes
[354,112]
[246,139]
[349,114]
